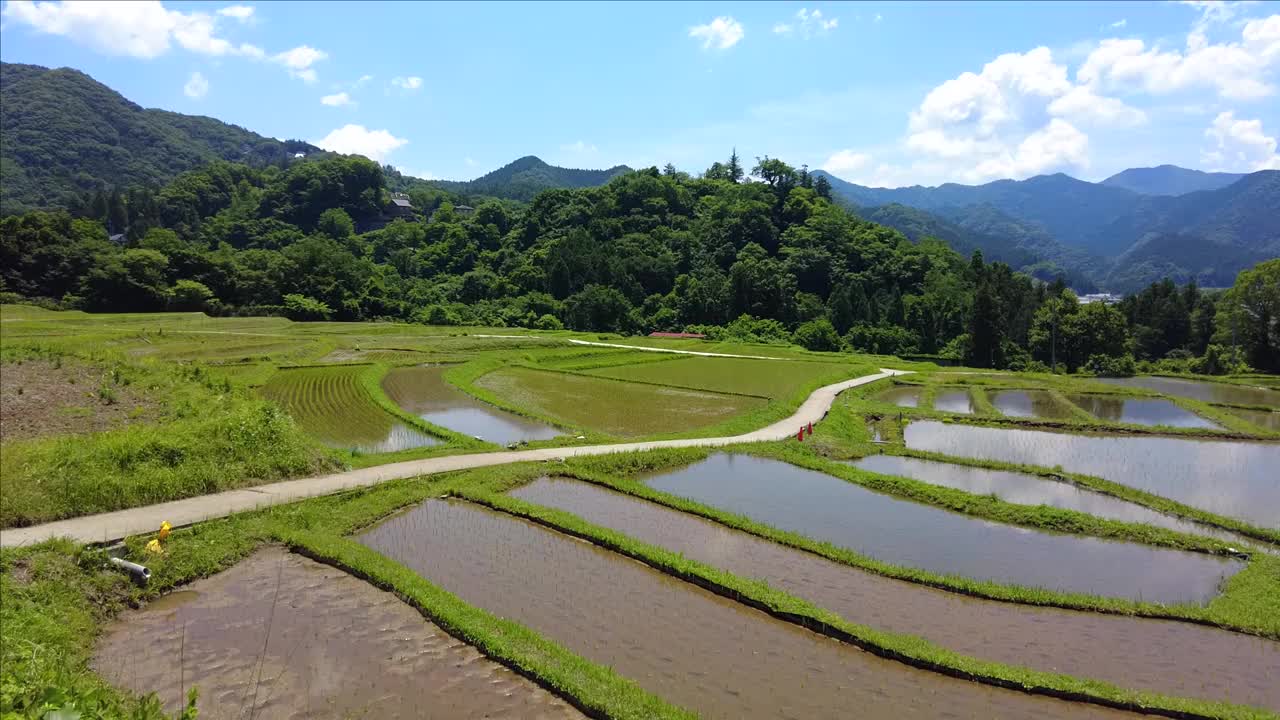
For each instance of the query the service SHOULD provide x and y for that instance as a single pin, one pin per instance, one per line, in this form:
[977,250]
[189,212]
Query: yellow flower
[164,530]
[154,547]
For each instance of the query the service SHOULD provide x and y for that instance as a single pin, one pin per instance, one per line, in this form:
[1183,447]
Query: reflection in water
[424,392]
[1027,489]
[1261,418]
[693,648]
[1232,478]
[954,401]
[1139,411]
[1028,403]
[902,396]
[827,508]
[1201,390]
[1127,651]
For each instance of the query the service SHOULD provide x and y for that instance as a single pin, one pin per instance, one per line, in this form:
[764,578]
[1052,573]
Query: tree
[302,308]
[734,168]
[1249,316]
[597,308]
[823,187]
[191,296]
[818,335]
[336,223]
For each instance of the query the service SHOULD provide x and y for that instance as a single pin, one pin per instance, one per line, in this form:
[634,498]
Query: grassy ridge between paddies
[58,596]
[755,593]
[1249,603]
[843,434]
[212,436]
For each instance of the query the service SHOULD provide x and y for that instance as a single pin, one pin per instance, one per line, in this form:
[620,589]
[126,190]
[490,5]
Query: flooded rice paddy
[1233,478]
[423,391]
[687,645]
[1261,418]
[1027,489]
[902,396]
[1029,404]
[1203,390]
[954,401]
[330,404]
[1139,411]
[335,647]
[901,532]
[615,407]
[1130,652]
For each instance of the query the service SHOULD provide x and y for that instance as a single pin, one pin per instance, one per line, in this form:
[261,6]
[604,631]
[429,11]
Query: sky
[883,94]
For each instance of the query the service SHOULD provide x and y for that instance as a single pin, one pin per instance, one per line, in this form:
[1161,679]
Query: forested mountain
[1169,180]
[528,176]
[1121,239]
[62,133]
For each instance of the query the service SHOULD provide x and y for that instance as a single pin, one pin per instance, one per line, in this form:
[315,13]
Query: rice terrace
[714,570]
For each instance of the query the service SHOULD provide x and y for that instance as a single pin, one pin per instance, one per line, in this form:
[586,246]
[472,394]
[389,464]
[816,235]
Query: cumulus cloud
[410,83]
[299,60]
[721,33]
[1235,70]
[242,13]
[135,29]
[807,23]
[354,139]
[197,86]
[337,100]
[844,162]
[1239,145]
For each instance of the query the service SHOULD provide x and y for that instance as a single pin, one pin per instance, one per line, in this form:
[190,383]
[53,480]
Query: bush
[302,308]
[1109,366]
[818,335]
[436,315]
[882,339]
[1218,360]
[191,296]
[548,322]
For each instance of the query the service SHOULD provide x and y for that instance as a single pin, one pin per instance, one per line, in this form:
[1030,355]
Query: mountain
[528,176]
[1169,180]
[64,133]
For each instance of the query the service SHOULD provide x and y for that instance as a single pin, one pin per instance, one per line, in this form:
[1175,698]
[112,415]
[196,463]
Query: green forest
[756,253]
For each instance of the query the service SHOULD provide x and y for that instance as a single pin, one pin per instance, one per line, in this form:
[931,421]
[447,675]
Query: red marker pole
[810,429]
[800,435]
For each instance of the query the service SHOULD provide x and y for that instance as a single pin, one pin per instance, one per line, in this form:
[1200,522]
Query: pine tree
[736,173]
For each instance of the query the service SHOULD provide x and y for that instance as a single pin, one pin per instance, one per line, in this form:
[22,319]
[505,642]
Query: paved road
[111,526]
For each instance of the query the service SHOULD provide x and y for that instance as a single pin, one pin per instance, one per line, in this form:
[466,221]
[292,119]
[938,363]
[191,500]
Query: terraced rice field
[329,403]
[772,379]
[613,406]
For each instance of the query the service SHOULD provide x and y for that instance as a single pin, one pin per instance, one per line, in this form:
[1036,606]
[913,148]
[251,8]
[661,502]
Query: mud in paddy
[1233,478]
[337,648]
[423,391]
[1130,652]
[827,508]
[692,647]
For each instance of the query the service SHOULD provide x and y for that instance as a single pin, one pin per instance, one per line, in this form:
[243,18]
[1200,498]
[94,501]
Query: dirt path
[111,526]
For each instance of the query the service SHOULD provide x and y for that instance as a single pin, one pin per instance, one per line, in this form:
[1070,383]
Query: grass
[762,378]
[613,407]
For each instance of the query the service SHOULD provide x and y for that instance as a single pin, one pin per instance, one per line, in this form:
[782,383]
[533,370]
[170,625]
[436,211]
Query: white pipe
[139,572]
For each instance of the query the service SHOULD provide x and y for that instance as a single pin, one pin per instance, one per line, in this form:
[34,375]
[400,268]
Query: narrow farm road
[106,527]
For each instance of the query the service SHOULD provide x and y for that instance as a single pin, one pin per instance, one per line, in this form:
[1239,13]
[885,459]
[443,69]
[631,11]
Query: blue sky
[878,93]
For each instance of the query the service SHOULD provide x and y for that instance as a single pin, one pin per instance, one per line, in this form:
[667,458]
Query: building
[464,210]
[400,207]
[1105,298]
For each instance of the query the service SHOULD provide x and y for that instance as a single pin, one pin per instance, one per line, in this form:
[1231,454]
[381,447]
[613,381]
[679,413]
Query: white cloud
[196,87]
[1119,24]
[844,162]
[1058,144]
[807,24]
[1083,105]
[580,148]
[721,33]
[364,80]
[1239,145]
[353,139]
[877,18]
[469,162]
[1236,70]
[407,83]
[337,100]
[136,29]
[299,60]
[242,13]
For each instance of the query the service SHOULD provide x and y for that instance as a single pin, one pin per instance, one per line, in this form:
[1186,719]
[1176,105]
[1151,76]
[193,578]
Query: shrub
[1109,366]
[303,308]
[548,322]
[817,335]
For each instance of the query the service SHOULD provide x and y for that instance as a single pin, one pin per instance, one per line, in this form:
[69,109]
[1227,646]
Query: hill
[64,133]
[526,177]
[1169,180]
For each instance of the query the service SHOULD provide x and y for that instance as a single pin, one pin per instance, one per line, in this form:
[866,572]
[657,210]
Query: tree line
[759,253]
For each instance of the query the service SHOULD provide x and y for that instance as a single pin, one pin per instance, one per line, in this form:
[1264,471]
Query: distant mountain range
[1117,237]
[62,132]
[523,179]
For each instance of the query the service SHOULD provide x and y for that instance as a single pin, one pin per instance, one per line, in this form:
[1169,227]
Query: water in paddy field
[1139,411]
[689,646]
[1027,489]
[396,437]
[424,392]
[954,401]
[1028,403]
[337,646]
[1202,390]
[1228,477]
[1261,418]
[827,508]
[1127,651]
[902,396]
